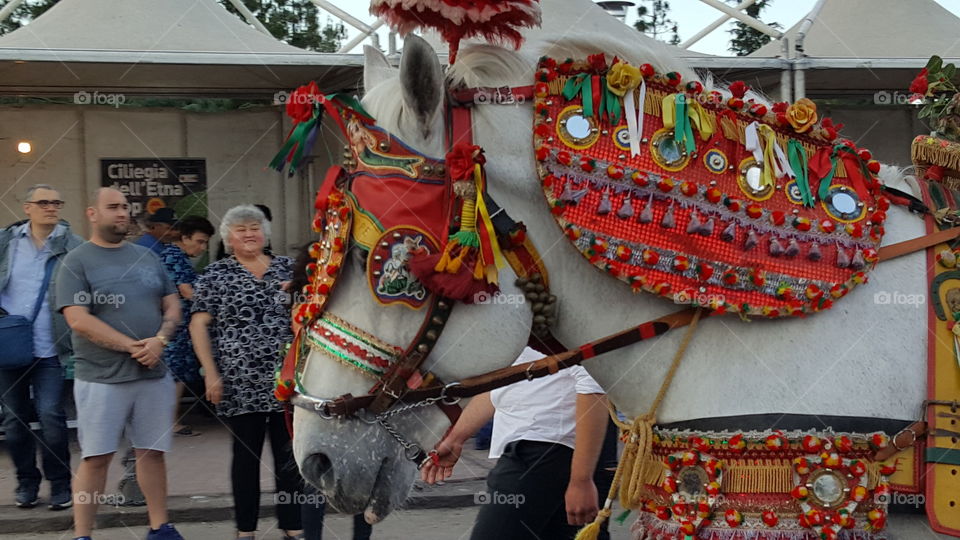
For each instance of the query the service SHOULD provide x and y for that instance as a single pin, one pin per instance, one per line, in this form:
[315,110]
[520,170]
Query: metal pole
[714,25]
[392,43]
[742,17]
[786,75]
[360,37]
[799,67]
[8,9]
[249,17]
[344,16]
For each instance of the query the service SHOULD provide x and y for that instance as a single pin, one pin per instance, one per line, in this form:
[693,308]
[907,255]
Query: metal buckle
[443,395]
[913,439]
[528,373]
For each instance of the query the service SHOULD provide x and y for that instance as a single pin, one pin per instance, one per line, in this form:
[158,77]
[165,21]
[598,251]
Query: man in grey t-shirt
[122,309]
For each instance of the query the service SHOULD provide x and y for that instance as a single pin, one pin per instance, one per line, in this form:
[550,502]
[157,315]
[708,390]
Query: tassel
[694,225]
[571,195]
[729,233]
[668,221]
[776,249]
[707,228]
[605,205]
[793,248]
[646,215]
[843,259]
[751,241]
[592,531]
[858,263]
[626,211]
[814,253]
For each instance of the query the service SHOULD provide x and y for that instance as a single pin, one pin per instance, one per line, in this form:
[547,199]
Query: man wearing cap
[159,225]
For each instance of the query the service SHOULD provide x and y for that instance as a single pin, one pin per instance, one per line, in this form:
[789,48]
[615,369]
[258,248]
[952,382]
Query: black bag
[16,331]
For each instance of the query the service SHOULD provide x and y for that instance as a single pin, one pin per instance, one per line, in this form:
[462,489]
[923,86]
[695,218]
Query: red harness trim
[489,95]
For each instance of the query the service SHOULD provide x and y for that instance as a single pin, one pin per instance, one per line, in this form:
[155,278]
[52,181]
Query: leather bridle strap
[348,404]
[917,244]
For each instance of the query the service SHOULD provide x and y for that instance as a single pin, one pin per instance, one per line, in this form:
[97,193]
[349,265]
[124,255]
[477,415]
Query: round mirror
[669,149]
[752,174]
[577,126]
[666,152]
[828,488]
[844,202]
[692,482]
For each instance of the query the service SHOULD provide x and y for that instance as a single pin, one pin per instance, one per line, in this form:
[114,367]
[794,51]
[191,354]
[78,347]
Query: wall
[69,141]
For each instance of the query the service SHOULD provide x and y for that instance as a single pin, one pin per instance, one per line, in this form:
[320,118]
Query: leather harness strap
[348,404]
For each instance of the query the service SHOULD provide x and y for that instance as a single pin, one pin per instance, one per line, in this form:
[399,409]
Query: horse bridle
[379,405]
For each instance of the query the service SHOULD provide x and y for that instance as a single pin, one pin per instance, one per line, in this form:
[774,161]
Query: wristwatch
[163,340]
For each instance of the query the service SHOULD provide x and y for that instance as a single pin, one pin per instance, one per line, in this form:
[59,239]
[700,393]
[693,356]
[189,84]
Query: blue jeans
[45,375]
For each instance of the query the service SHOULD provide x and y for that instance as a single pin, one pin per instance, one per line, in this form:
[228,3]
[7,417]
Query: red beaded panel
[691,226]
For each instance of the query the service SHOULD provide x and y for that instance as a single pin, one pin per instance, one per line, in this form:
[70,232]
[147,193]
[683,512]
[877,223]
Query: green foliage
[296,22]
[25,12]
[745,39]
[655,21]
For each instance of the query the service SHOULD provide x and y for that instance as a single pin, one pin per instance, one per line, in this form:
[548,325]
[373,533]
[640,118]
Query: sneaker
[26,497]
[83,538]
[165,532]
[60,501]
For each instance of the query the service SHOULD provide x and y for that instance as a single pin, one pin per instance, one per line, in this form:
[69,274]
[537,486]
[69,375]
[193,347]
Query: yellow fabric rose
[802,115]
[622,78]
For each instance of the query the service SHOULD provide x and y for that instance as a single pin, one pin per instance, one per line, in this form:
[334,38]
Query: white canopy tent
[168,47]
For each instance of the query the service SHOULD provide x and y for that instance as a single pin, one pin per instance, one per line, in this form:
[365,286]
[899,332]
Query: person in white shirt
[547,434]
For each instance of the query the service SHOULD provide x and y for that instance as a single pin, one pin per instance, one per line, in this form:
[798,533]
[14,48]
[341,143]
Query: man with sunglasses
[25,249]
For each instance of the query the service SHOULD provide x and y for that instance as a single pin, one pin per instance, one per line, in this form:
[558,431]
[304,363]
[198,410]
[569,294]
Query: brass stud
[377,258]
[397,235]
[431,335]
[384,244]
[424,348]
[443,305]
[384,146]
[437,320]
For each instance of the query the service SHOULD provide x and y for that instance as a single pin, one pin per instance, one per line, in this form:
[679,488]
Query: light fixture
[24,147]
[616,8]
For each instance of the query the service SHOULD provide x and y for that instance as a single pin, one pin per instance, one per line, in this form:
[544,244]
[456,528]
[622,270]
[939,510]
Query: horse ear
[422,81]
[376,67]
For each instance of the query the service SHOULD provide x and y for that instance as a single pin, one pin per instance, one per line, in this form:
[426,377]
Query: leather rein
[380,404]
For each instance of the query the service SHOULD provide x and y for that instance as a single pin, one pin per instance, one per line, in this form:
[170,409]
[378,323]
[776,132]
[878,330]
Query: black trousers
[313,510]
[249,432]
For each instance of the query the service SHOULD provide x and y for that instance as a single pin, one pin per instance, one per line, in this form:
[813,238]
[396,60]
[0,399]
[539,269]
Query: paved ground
[435,524]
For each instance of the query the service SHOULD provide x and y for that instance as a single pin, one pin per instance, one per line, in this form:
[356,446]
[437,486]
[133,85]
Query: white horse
[855,367]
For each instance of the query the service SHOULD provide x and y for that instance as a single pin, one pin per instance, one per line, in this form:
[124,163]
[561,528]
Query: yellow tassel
[478,270]
[444,261]
[456,263]
[592,531]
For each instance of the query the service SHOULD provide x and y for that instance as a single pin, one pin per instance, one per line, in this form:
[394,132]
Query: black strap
[43,288]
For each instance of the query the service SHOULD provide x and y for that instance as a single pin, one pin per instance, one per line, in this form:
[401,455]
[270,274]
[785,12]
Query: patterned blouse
[178,355]
[251,323]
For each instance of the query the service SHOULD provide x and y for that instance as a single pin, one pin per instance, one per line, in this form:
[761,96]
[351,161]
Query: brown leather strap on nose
[906,438]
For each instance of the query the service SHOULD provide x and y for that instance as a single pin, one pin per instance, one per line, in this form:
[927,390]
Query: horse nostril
[315,468]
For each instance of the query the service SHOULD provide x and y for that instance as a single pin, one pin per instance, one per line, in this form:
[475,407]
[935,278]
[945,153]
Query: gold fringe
[841,171]
[729,128]
[924,154]
[772,476]
[653,103]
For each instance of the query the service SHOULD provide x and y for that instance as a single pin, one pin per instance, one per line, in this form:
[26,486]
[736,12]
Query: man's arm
[581,497]
[477,413]
[96,331]
[151,348]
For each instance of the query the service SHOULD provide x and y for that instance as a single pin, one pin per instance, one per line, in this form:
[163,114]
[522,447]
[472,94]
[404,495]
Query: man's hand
[581,502]
[448,452]
[214,385]
[148,351]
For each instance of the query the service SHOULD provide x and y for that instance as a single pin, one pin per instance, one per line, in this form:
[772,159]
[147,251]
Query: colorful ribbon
[490,255]
[681,114]
[800,166]
[635,117]
[583,85]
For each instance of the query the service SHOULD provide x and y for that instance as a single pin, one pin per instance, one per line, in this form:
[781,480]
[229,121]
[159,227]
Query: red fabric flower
[920,84]
[462,158]
[598,62]
[780,107]
[738,89]
[301,102]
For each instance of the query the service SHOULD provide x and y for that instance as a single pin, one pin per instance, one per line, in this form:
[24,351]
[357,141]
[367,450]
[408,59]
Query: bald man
[122,309]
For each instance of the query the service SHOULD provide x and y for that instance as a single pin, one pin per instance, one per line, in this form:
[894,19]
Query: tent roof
[193,47]
[876,29]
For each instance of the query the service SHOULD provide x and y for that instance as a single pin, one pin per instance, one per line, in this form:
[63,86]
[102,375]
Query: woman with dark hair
[191,236]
